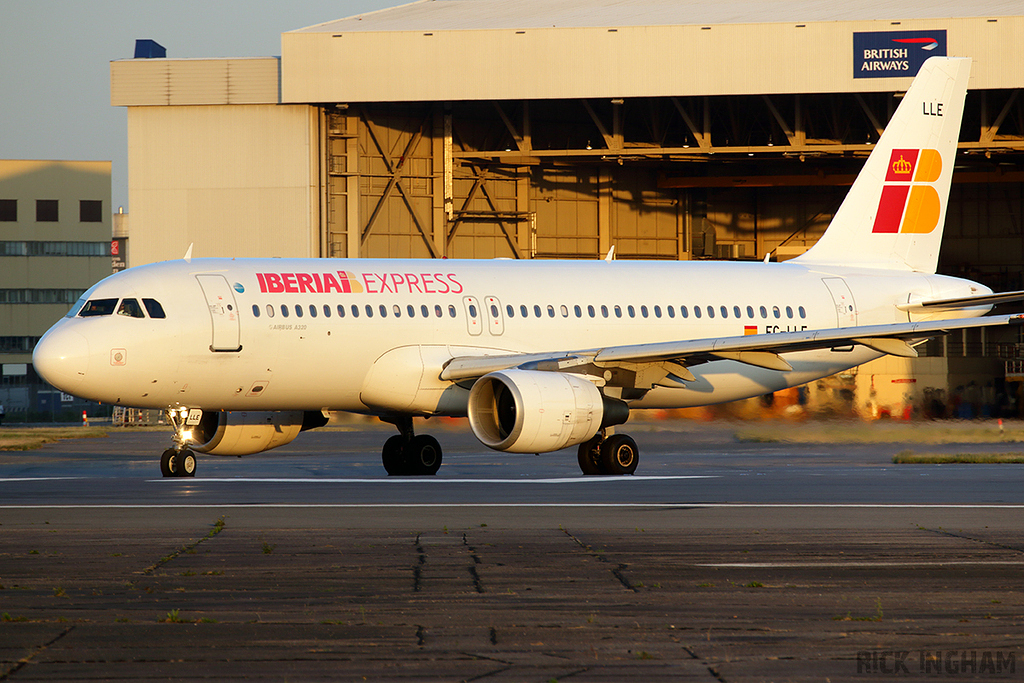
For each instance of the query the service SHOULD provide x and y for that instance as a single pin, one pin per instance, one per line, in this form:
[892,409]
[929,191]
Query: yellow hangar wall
[234,180]
[215,161]
[567,62]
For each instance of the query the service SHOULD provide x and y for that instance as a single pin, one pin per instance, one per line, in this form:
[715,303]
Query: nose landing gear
[179,461]
[175,463]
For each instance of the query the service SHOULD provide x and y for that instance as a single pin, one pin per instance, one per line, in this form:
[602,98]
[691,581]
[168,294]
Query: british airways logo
[347,282]
[885,54]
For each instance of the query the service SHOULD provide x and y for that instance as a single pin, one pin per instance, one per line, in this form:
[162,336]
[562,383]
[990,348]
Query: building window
[90,210]
[46,211]
[8,210]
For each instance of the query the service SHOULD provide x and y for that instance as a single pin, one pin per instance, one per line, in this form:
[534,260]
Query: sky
[55,63]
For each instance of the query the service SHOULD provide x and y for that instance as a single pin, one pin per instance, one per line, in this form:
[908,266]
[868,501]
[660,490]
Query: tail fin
[894,214]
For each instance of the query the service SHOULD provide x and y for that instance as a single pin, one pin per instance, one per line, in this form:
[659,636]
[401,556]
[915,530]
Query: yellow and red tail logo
[909,202]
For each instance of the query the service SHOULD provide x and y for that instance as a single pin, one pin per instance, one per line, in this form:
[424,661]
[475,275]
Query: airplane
[244,354]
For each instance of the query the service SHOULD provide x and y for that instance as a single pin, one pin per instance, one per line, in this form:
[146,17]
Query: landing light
[183,412]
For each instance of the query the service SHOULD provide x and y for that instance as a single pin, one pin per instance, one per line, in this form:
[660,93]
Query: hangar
[561,128]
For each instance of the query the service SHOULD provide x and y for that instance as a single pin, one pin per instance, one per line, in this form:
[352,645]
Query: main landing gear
[407,454]
[179,461]
[609,454]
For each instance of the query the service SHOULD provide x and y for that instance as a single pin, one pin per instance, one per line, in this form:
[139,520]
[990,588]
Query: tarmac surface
[719,561]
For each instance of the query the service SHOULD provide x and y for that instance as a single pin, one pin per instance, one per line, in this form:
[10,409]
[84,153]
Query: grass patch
[911,458]
[29,439]
[883,432]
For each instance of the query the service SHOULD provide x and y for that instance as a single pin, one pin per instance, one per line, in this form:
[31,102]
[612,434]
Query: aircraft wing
[761,350]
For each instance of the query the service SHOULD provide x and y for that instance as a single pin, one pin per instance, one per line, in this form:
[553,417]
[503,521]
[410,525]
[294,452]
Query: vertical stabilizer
[894,214]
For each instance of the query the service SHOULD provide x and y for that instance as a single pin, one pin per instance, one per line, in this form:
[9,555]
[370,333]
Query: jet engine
[529,411]
[245,433]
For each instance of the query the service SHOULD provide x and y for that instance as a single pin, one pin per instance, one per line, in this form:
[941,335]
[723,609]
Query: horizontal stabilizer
[964,302]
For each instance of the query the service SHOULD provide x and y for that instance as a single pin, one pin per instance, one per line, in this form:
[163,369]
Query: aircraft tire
[424,455]
[186,464]
[392,456]
[619,455]
[167,464]
[589,456]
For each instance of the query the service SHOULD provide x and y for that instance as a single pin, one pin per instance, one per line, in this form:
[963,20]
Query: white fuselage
[372,335]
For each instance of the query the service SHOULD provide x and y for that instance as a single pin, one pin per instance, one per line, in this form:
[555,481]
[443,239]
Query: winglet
[188,254]
[611,255]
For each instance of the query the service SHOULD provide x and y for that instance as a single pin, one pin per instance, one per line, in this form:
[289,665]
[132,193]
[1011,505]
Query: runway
[719,561]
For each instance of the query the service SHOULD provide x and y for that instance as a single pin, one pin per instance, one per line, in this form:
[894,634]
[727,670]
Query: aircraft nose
[62,358]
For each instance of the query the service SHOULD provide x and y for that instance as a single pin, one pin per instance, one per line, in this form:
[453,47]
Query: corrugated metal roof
[453,15]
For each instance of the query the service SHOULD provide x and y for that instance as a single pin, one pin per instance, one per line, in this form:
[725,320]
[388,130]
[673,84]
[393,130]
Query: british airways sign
[885,54]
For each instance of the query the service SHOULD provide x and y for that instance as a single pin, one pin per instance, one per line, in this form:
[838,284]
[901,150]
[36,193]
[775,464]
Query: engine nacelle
[244,433]
[529,411]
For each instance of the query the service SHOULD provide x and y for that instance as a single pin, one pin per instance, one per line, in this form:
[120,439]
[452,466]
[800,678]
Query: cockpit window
[154,308]
[131,308]
[98,307]
[77,307]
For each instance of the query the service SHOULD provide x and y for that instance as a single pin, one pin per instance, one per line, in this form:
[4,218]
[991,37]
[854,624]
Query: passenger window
[355,311]
[789,311]
[155,310]
[284,311]
[657,311]
[494,311]
[327,310]
[397,310]
[130,308]
[298,311]
[776,312]
[551,311]
[591,312]
[437,311]
[411,310]
[711,311]
[618,311]
[270,311]
[684,312]
[536,311]
[369,311]
[736,312]
[604,311]
[451,311]
[631,311]
[802,312]
[724,311]
[510,310]
[383,311]
[312,310]
[696,311]
[472,311]
[565,311]
[671,311]
[764,312]
[99,307]
[578,311]
[523,311]
[255,310]
[341,310]
[643,311]
[424,311]
[750,311]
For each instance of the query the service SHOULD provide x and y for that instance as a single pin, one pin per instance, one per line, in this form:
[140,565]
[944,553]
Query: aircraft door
[474,316]
[495,322]
[220,301]
[846,308]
